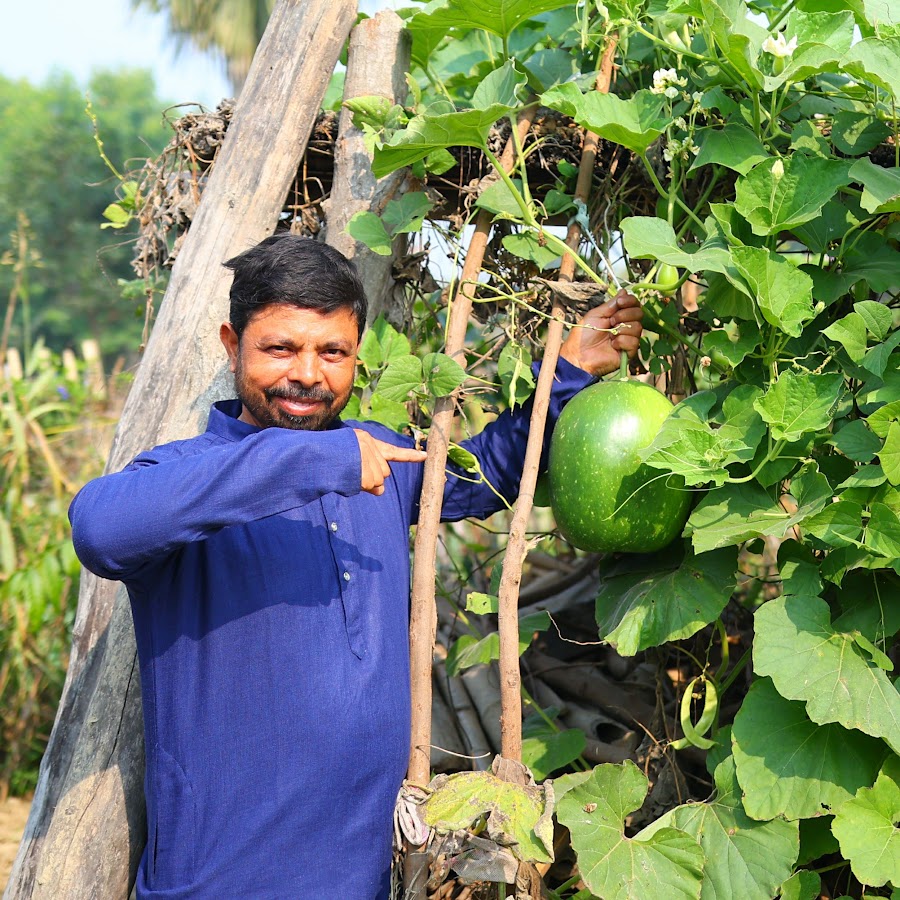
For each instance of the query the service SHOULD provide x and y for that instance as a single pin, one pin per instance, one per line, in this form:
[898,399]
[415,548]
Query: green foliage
[757,153]
[51,172]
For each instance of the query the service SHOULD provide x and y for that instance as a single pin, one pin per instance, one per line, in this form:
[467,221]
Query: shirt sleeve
[184,492]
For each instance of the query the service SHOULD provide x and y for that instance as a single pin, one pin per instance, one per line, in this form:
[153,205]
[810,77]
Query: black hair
[287,268]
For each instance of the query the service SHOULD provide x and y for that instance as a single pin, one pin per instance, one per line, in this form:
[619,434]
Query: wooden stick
[423,615]
[517,548]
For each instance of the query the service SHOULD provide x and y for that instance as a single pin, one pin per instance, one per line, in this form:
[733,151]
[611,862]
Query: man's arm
[185,492]
[593,348]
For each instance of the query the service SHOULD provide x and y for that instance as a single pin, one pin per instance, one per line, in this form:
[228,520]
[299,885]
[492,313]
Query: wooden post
[86,830]
[377,63]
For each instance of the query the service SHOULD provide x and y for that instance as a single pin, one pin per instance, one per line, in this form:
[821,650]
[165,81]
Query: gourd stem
[623,365]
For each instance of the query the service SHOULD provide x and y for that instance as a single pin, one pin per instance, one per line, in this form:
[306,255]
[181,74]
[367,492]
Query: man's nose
[306,370]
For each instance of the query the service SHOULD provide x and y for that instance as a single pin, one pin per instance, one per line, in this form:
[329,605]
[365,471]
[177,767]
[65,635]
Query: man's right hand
[376,455]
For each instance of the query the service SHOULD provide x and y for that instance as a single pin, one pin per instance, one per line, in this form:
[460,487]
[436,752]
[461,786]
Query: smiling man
[267,564]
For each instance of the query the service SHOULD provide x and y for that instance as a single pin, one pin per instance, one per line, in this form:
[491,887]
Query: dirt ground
[13,813]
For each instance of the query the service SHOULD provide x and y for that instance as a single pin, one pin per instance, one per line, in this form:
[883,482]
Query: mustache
[301,394]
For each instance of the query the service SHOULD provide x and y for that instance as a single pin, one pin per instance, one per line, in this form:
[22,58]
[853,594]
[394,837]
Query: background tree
[51,170]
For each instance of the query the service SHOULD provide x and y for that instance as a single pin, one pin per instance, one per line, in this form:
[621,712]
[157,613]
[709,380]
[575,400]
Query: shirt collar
[224,422]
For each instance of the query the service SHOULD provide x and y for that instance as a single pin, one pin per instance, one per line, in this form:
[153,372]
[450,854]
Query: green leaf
[733,343]
[838,525]
[880,420]
[881,186]
[883,531]
[743,858]
[634,123]
[733,146]
[435,131]
[470,651]
[641,610]
[783,292]
[382,343]
[368,229]
[389,412]
[514,371]
[648,237]
[800,403]
[593,806]
[738,37]
[481,604]
[545,754]
[517,815]
[527,245]
[866,828]
[856,441]
[118,216]
[850,332]
[797,646]
[875,59]
[857,133]
[500,17]
[879,357]
[402,379]
[443,375]
[889,457]
[877,316]
[498,199]
[799,569]
[789,766]
[802,885]
[406,214]
[774,203]
[870,604]
[463,458]
[738,512]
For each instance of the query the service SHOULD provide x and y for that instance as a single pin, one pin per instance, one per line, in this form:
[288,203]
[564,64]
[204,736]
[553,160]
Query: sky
[78,36]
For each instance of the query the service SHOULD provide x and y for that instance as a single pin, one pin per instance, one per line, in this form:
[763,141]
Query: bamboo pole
[423,611]
[517,548]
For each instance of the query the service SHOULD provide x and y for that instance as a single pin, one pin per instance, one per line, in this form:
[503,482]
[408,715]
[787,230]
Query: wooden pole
[517,547]
[86,830]
[377,63]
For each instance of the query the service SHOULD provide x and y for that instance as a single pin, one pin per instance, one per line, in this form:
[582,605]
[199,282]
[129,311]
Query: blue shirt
[270,598]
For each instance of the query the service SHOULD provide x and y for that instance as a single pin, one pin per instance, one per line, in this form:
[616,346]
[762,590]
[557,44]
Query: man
[267,563]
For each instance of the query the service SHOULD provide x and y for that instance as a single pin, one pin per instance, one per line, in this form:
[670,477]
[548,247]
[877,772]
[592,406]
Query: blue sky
[79,36]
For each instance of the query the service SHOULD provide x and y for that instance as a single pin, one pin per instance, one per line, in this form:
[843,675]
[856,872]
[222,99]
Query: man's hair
[287,268]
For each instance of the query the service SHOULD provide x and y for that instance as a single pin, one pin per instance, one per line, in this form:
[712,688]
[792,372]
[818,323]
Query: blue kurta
[270,601]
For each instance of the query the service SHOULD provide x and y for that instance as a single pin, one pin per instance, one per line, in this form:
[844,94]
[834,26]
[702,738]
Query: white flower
[778,170]
[778,47]
[681,122]
[697,96]
[666,81]
[705,362]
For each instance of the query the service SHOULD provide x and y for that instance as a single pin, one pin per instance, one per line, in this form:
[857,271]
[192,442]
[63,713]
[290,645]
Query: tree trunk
[86,830]
[376,66]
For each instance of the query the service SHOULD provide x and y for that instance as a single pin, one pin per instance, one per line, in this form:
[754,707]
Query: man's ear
[231,343]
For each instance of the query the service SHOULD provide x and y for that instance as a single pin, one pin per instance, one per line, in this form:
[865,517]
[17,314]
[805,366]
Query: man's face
[293,368]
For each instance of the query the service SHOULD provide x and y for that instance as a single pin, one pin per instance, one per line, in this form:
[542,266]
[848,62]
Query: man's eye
[334,353]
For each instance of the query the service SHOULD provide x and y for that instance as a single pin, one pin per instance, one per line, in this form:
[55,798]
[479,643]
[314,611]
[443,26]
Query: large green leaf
[799,403]
[783,292]
[789,766]
[690,446]
[635,122]
[743,858]
[889,457]
[781,193]
[866,828]
[368,229]
[500,17]
[593,806]
[738,512]
[850,332]
[881,186]
[442,374]
[546,752]
[738,37]
[856,441]
[876,59]
[734,146]
[799,649]
[468,650]
[641,610]
[517,815]
[496,96]
[857,133]
[402,379]
[648,237]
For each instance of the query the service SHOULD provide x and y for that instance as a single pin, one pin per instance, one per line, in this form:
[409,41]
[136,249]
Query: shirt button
[346,576]
[334,526]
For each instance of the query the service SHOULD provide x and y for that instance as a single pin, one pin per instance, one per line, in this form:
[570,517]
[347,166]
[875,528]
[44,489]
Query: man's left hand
[592,346]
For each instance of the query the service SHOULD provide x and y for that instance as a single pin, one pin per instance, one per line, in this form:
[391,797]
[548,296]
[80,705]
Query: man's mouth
[299,407]
[302,403]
